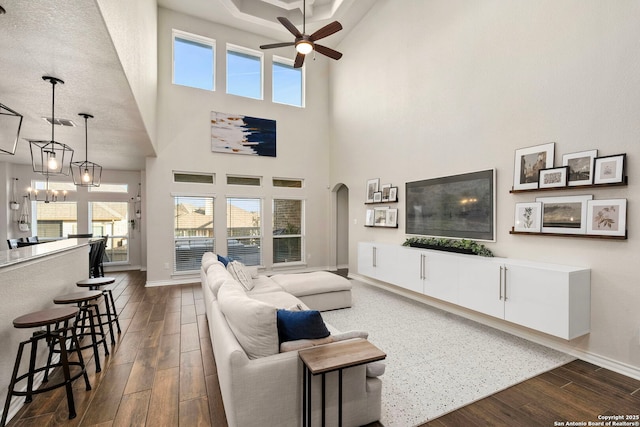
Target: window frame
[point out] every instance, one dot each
(288, 62)
(261, 235)
(249, 52)
(111, 237)
(195, 38)
(301, 235)
(181, 239)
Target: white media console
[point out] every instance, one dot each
(550, 298)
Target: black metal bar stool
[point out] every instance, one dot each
(95, 283)
(59, 334)
(87, 302)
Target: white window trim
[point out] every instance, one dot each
(195, 38)
(302, 234)
(290, 62)
(246, 51)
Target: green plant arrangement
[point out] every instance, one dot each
(462, 246)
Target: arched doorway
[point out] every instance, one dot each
(342, 226)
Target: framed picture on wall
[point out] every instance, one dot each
(553, 177)
(564, 215)
(385, 192)
(528, 216)
(393, 194)
(607, 217)
(377, 197)
(369, 220)
(528, 163)
(580, 167)
(380, 217)
(372, 187)
(609, 169)
(391, 219)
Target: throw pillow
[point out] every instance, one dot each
(241, 274)
(298, 325)
(223, 259)
(252, 322)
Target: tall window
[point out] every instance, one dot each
(287, 83)
(193, 231)
(244, 230)
(244, 72)
(54, 220)
(287, 230)
(112, 219)
(193, 60)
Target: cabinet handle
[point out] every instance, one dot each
(500, 283)
(505, 283)
(421, 266)
(375, 255)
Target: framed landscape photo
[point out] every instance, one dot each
(391, 219)
(609, 169)
(385, 192)
(380, 217)
(393, 194)
(580, 167)
(553, 177)
(528, 162)
(607, 217)
(564, 215)
(372, 187)
(528, 217)
(377, 197)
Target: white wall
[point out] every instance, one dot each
(434, 88)
(184, 144)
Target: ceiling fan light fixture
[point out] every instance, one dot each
(304, 47)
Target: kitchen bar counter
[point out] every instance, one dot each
(30, 278)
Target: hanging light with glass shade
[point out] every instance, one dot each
(86, 174)
(51, 157)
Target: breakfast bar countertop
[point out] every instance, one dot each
(10, 257)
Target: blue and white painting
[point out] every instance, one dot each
(235, 134)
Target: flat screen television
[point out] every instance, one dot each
(457, 206)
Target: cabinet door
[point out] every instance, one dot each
(480, 286)
(441, 276)
(410, 270)
(377, 260)
(365, 259)
(537, 298)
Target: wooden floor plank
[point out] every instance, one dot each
(108, 395)
(192, 384)
(195, 412)
(169, 351)
(133, 410)
(143, 370)
(165, 397)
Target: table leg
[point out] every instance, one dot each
(304, 395)
(324, 406)
(309, 396)
(340, 398)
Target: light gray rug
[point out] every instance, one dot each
(437, 361)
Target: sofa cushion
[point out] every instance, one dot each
(264, 284)
(216, 276)
(302, 344)
(208, 259)
(280, 299)
(298, 325)
(253, 322)
(241, 274)
(316, 282)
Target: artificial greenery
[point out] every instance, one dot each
(473, 246)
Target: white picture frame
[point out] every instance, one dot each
(372, 188)
(385, 192)
(369, 218)
(391, 219)
(528, 217)
(607, 217)
(564, 215)
(380, 217)
(580, 167)
(528, 162)
(609, 169)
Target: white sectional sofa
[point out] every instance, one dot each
(261, 379)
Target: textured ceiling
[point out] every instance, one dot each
(68, 39)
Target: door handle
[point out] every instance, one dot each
(375, 256)
(500, 283)
(505, 283)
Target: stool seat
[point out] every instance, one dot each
(94, 282)
(45, 317)
(76, 297)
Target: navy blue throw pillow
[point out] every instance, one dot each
(223, 259)
(298, 325)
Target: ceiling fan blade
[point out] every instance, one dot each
(327, 51)
(275, 45)
(299, 60)
(326, 31)
(289, 26)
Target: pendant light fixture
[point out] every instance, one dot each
(51, 157)
(86, 174)
(10, 123)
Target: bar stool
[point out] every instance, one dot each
(39, 319)
(95, 283)
(88, 310)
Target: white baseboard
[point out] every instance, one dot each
(519, 331)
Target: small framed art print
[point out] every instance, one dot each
(564, 215)
(393, 194)
(385, 192)
(609, 169)
(580, 167)
(372, 188)
(553, 177)
(607, 217)
(527, 218)
(528, 162)
(377, 197)
(391, 219)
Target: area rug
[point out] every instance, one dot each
(437, 361)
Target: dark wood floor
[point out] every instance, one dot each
(161, 372)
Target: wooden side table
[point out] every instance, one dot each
(329, 358)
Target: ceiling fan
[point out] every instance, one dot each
(307, 43)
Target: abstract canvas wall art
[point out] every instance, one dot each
(236, 134)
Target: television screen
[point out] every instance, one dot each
(458, 206)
